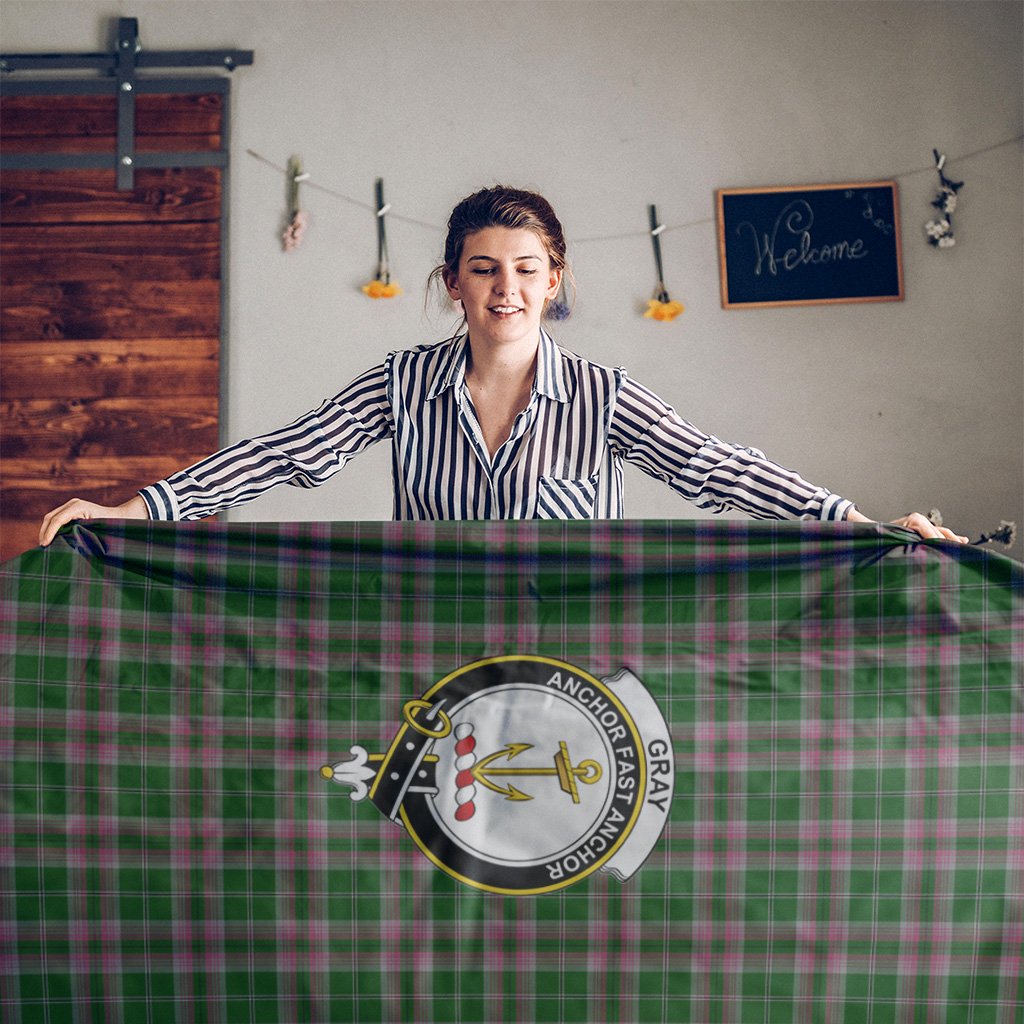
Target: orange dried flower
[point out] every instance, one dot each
(380, 290)
(665, 311)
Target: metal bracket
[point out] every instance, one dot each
(123, 65)
(128, 46)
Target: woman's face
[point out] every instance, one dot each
(504, 280)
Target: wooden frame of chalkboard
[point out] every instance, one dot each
(810, 245)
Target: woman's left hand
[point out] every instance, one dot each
(918, 523)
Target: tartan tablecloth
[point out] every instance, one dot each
(842, 837)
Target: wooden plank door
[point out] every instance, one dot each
(110, 307)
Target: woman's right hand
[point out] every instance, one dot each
(78, 508)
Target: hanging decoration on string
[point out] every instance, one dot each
(940, 231)
(661, 307)
(298, 219)
(700, 222)
(381, 287)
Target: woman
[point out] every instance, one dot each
(497, 422)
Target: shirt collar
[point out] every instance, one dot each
(451, 370)
(550, 379)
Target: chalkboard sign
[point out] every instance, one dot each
(810, 245)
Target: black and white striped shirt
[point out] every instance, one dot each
(562, 459)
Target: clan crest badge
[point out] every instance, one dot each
(523, 774)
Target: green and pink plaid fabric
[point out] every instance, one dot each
(845, 840)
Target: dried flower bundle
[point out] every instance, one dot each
(298, 219)
(292, 237)
(558, 308)
(381, 287)
(940, 231)
(660, 307)
(1005, 533)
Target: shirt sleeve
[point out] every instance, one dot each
(713, 474)
(304, 453)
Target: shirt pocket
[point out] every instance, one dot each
(564, 498)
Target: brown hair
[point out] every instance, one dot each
(501, 207)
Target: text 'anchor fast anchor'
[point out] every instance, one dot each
(587, 771)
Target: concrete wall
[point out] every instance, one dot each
(606, 107)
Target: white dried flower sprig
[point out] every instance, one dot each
(940, 231)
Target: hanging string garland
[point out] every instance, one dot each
(940, 232)
(382, 287)
(660, 307)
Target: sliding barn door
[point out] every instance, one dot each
(111, 304)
